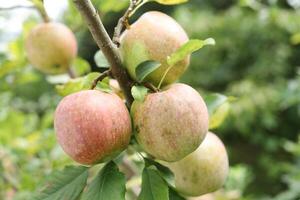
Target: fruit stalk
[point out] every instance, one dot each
(41, 9)
(110, 51)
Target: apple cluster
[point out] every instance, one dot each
(170, 125)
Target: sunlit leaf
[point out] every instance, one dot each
(170, 2)
(139, 92)
(112, 5)
(77, 84)
(188, 48)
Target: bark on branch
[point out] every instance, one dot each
(110, 51)
(123, 21)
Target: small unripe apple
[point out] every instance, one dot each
(203, 171)
(51, 47)
(172, 123)
(154, 36)
(92, 126)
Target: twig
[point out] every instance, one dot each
(38, 5)
(100, 78)
(17, 7)
(123, 21)
(151, 87)
(71, 73)
(110, 51)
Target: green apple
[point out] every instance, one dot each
(203, 171)
(154, 36)
(51, 47)
(172, 123)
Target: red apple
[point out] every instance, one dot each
(92, 126)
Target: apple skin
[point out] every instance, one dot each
(92, 126)
(154, 36)
(203, 171)
(51, 47)
(172, 123)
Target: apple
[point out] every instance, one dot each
(154, 36)
(51, 47)
(92, 126)
(203, 171)
(172, 123)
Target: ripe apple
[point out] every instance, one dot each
(51, 47)
(203, 171)
(154, 36)
(172, 123)
(92, 126)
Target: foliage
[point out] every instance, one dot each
(256, 60)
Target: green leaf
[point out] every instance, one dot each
(81, 66)
(106, 6)
(109, 184)
(77, 84)
(101, 60)
(295, 39)
(67, 184)
(218, 108)
(173, 195)
(165, 172)
(145, 68)
(139, 92)
(170, 2)
(188, 48)
(153, 185)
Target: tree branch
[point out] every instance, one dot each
(71, 72)
(100, 78)
(16, 7)
(123, 21)
(104, 42)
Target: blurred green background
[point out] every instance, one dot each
(256, 60)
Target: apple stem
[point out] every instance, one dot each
(109, 49)
(100, 78)
(41, 9)
(151, 87)
(124, 21)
